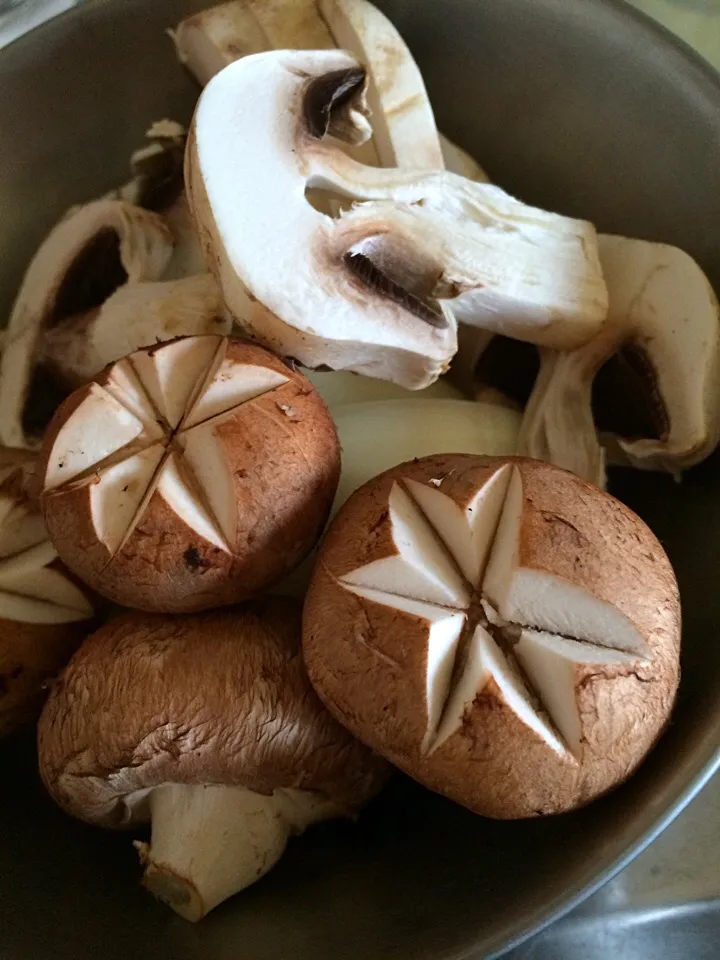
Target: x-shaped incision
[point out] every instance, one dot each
(149, 427)
(31, 589)
(492, 621)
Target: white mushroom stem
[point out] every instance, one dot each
(210, 842)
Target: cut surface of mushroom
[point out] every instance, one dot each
(206, 727)
(664, 319)
(84, 259)
(370, 291)
(569, 607)
(177, 431)
(43, 613)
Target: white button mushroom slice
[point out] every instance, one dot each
(483, 660)
(232, 385)
(304, 299)
(99, 427)
(457, 160)
(663, 308)
(21, 527)
(420, 567)
(119, 493)
(112, 241)
(403, 122)
(174, 373)
(467, 531)
(556, 667)
(211, 39)
(184, 496)
(143, 314)
(538, 598)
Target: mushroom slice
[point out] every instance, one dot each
(404, 128)
(227, 751)
(364, 292)
(459, 161)
(84, 259)
(178, 480)
(663, 313)
(566, 662)
(44, 614)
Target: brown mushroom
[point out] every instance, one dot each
(43, 614)
(189, 475)
(503, 631)
(208, 727)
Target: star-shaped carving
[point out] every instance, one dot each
(31, 589)
(488, 620)
(151, 427)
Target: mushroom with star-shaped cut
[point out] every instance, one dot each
(189, 475)
(503, 631)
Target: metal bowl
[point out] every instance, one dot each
(580, 105)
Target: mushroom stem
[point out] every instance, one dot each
(210, 842)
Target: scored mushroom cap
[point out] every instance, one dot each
(218, 698)
(501, 630)
(189, 475)
(85, 258)
(43, 613)
(365, 292)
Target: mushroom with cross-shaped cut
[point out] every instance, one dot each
(43, 613)
(503, 631)
(189, 475)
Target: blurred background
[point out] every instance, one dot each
(696, 21)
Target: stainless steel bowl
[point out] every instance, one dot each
(580, 105)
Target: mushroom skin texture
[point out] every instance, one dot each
(208, 727)
(501, 630)
(89, 254)
(371, 291)
(44, 615)
(189, 475)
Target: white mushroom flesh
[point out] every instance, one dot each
(662, 305)
(209, 842)
(151, 429)
(365, 292)
(525, 636)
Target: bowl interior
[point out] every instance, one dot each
(579, 106)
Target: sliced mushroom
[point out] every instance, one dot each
(189, 475)
(404, 131)
(207, 727)
(84, 259)
(664, 335)
(136, 315)
(43, 613)
(366, 292)
(501, 630)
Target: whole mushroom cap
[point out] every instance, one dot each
(220, 698)
(501, 630)
(189, 475)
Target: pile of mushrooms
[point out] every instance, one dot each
(185, 360)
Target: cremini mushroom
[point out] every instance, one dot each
(503, 631)
(651, 378)
(43, 614)
(207, 727)
(89, 254)
(188, 475)
(369, 291)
